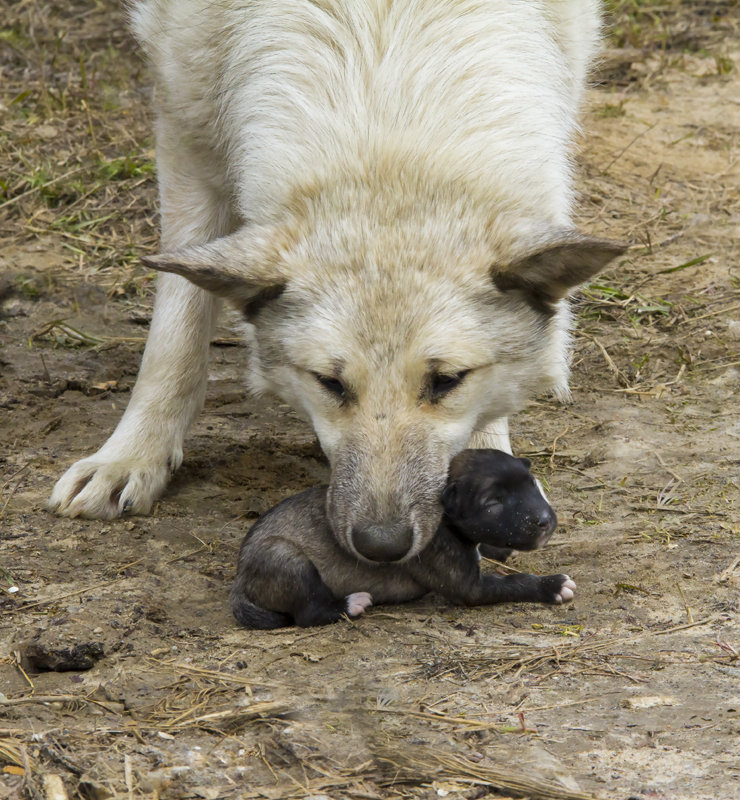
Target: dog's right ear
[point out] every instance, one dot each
(244, 267)
(450, 499)
(549, 272)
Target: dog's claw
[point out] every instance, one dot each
(103, 487)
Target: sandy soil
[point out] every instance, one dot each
(121, 670)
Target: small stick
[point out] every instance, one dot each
(686, 605)
(14, 489)
(475, 724)
(54, 698)
(525, 729)
(41, 186)
(47, 376)
(17, 662)
(724, 576)
(554, 443)
(127, 775)
(65, 596)
(660, 458)
(54, 787)
(625, 149)
(609, 361)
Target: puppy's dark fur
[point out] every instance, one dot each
(292, 570)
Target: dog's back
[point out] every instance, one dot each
(283, 88)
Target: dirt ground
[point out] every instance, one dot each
(122, 673)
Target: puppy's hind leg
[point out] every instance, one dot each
(250, 615)
(319, 606)
(132, 468)
(277, 584)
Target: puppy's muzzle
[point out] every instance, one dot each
(383, 543)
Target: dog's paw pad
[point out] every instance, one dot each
(567, 591)
(358, 602)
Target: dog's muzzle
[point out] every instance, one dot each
(383, 543)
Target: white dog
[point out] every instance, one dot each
(383, 188)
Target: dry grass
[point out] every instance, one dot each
(417, 765)
(76, 159)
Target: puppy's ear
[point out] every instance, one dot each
(527, 463)
(548, 273)
(451, 499)
(244, 267)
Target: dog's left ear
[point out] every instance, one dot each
(244, 267)
(548, 274)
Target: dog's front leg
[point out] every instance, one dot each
(495, 436)
(132, 468)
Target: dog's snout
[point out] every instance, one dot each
(383, 544)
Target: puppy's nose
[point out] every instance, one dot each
(377, 543)
(547, 522)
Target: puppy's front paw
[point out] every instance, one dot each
(558, 589)
(358, 602)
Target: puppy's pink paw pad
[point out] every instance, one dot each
(567, 591)
(358, 602)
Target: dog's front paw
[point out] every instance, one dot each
(558, 589)
(358, 602)
(105, 487)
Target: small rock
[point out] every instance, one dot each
(47, 132)
(649, 701)
(46, 657)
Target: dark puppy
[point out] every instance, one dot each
(291, 568)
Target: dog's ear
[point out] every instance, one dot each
(244, 267)
(526, 462)
(451, 499)
(548, 273)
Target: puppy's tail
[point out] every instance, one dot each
(253, 616)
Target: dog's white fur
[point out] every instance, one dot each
(394, 177)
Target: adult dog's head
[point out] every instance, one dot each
(399, 323)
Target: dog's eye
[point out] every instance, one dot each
(443, 384)
(332, 385)
(493, 505)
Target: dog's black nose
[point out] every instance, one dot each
(377, 543)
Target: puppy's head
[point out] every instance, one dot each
(493, 498)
